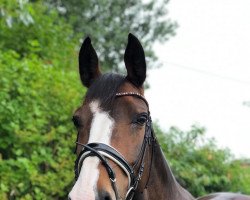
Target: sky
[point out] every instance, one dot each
(205, 73)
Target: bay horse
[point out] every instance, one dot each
(118, 155)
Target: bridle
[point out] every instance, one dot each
(103, 151)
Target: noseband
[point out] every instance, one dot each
(103, 151)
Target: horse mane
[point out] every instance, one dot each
(104, 89)
(174, 190)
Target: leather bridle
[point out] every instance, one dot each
(103, 151)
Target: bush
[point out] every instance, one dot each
(36, 144)
(33, 28)
(199, 165)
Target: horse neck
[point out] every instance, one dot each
(162, 184)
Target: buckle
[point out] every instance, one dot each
(113, 180)
(130, 193)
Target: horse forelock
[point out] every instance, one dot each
(104, 90)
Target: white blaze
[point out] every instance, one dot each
(100, 131)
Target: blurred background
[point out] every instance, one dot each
(198, 87)
(206, 73)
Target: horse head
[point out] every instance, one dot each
(114, 128)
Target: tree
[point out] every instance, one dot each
(199, 165)
(38, 93)
(108, 22)
(34, 29)
(37, 136)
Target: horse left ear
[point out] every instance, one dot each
(134, 59)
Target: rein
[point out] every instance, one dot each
(103, 151)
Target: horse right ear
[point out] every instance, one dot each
(88, 63)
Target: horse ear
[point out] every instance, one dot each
(88, 63)
(134, 59)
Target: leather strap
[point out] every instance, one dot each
(94, 152)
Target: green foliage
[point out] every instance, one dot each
(240, 175)
(37, 138)
(13, 11)
(109, 22)
(38, 93)
(45, 34)
(199, 165)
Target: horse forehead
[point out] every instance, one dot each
(101, 125)
(94, 106)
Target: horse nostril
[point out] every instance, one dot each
(69, 198)
(105, 196)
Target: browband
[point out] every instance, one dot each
(135, 94)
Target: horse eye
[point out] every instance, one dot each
(141, 119)
(76, 121)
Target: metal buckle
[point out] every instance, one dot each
(130, 193)
(113, 180)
